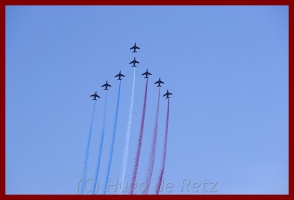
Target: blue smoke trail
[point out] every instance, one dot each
(87, 151)
(126, 150)
(100, 147)
(112, 140)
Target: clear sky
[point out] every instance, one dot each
(226, 66)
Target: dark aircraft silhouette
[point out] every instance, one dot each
(119, 75)
(106, 85)
(146, 74)
(167, 94)
(134, 47)
(94, 96)
(134, 62)
(159, 82)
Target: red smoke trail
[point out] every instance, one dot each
(139, 141)
(153, 148)
(164, 150)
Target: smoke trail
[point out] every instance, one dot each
(113, 139)
(153, 148)
(139, 141)
(164, 150)
(126, 150)
(87, 151)
(100, 146)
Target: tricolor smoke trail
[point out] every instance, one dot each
(164, 150)
(100, 146)
(153, 148)
(112, 140)
(126, 149)
(139, 141)
(87, 151)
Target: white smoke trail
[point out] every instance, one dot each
(126, 149)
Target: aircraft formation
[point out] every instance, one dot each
(148, 176)
(119, 75)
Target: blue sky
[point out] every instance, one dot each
(227, 67)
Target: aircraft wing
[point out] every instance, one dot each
(116, 75)
(103, 85)
(122, 75)
(132, 47)
(136, 61)
(165, 94)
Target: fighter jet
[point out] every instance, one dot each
(167, 94)
(134, 62)
(106, 85)
(94, 96)
(159, 82)
(134, 47)
(119, 75)
(146, 74)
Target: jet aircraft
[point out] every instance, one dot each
(146, 74)
(159, 82)
(106, 85)
(134, 48)
(119, 75)
(134, 62)
(167, 94)
(94, 96)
